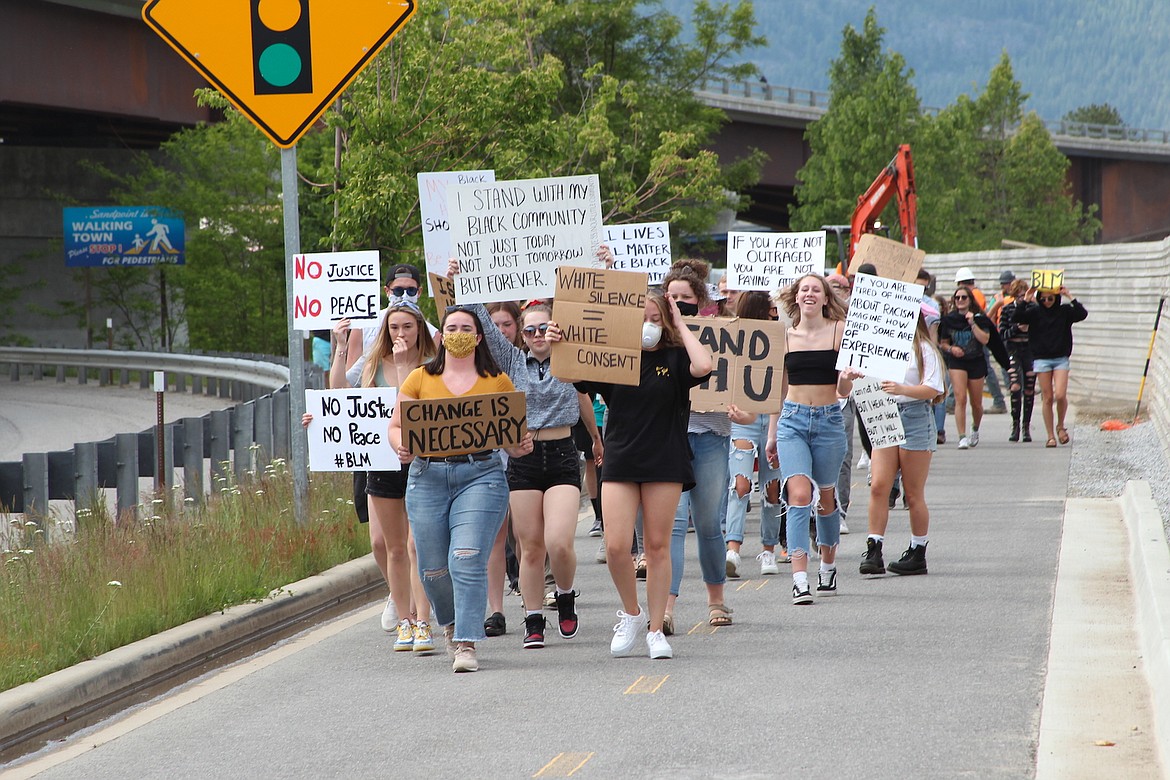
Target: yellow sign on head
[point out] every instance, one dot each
(1048, 281)
(280, 62)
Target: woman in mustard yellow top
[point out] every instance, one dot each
(456, 503)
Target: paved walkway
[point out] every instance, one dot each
(938, 676)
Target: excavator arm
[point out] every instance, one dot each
(896, 179)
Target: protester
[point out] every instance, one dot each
(807, 439)
(1050, 338)
(1021, 373)
(456, 503)
(962, 334)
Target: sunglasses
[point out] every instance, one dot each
(531, 330)
(398, 292)
(961, 297)
(1048, 297)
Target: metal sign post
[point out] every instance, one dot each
(296, 354)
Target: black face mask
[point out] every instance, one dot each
(687, 309)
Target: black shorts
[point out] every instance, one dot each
(550, 463)
(386, 484)
(976, 368)
(582, 439)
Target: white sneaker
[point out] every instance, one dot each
(844, 526)
(964, 443)
(600, 557)
(389, 616)
(657, 645)
(863, 461)
(733, 564)
(767, 561)
(973, 439)
(625, 633)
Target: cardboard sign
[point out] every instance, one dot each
(600, 313)
(879, 329)
(892, 259)
(640, 247)
(771, 261)
(331, 286)
(509, 237)
(879, 413)
(749, 361)
(349, 429)
(464, 424)
(432, 208)
(1048, 281)
(443, 291)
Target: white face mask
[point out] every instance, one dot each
(651, 335)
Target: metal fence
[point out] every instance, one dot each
(244, 437)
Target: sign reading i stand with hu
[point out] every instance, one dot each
(280, 62)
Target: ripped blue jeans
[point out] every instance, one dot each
(810, 442)
(455, 511)
(740, 464)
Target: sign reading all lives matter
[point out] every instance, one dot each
(749, 356)
(331, 286)
(879, 330)
(464, 424)
(771, 261)
(349, 429)
(879, 413)
(600, 314)
(432, 207)
(509, 237)
(640, 247)
(892, 259)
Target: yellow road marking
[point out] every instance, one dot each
(743, 585)
(762, 584)
(647, 683)
(564, 765)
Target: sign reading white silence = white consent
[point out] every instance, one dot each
(349, 429)
(331, 286)
(879, 413)
(509, 237)
(771, 261)
(432, 207)
(879, 330)
(644, 246)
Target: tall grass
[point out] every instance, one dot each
(110, 583)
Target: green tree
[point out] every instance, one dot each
(1096, 114)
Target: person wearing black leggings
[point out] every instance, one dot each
(1021, 376)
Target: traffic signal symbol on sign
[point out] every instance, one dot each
(282, 51)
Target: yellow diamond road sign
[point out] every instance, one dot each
(281, 62)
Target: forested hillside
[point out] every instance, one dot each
(1066, 53)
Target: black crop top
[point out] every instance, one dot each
(812, 367)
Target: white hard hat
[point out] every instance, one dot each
(964, 274)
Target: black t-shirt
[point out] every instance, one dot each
(646, 434)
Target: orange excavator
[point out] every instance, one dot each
(896, 179)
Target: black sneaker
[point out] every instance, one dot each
(533, 632)
(596, 529)
(495, 625)
(827, 583)
(913, 561)
(871, 562)
(567, 614)
(801, 595)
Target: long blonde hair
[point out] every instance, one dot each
(922, 340)
(383, 345)
(834, 308)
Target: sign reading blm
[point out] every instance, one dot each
(117, 236)
(348, 431)
(510, 236)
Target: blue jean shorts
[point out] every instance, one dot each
(918, 425)
(1044, 365)
(810, 441)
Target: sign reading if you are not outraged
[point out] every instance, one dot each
(749, 357)
(772, 261)
(464, 424)
(331, 286)
(349, 429)
(600, 314)
(879, 330)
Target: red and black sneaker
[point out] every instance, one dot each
(567, 614)
(533, 632)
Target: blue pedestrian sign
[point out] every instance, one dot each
(121, 236)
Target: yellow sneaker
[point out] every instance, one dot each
(423, 641)
(405, 640)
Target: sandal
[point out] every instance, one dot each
(1062, 435)
(668, 624)
(719, 615)
(1050, 443)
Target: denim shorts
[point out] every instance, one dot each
(386, 484)
(810, 441)
(918, 424)
(551, 463)
(1044, 365)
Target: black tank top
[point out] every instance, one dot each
(812, 367)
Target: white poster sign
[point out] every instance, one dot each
(330, 286)
(879, 413)
(640, 247)
(509, 237)
(771, 261)
(349, 429)
(879, 330)
(432, 207)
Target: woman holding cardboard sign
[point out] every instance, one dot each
(647, 465)
(1050, 337)
(962, 334)
(456, 503)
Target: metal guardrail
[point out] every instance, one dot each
(256, 429)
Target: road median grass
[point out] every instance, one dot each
(107, 584)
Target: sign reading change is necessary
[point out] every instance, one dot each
(879, 413)
(331, 286)
(748, 357)
(349, 429)
(600, 314)
(510, 236)
(640, 247)
(770, 261)
(464, 424)
(879, 329)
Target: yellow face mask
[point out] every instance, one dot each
(460, 345)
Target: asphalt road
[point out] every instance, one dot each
(935, 676)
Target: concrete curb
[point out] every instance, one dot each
(68, 695)
(1149, 560)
